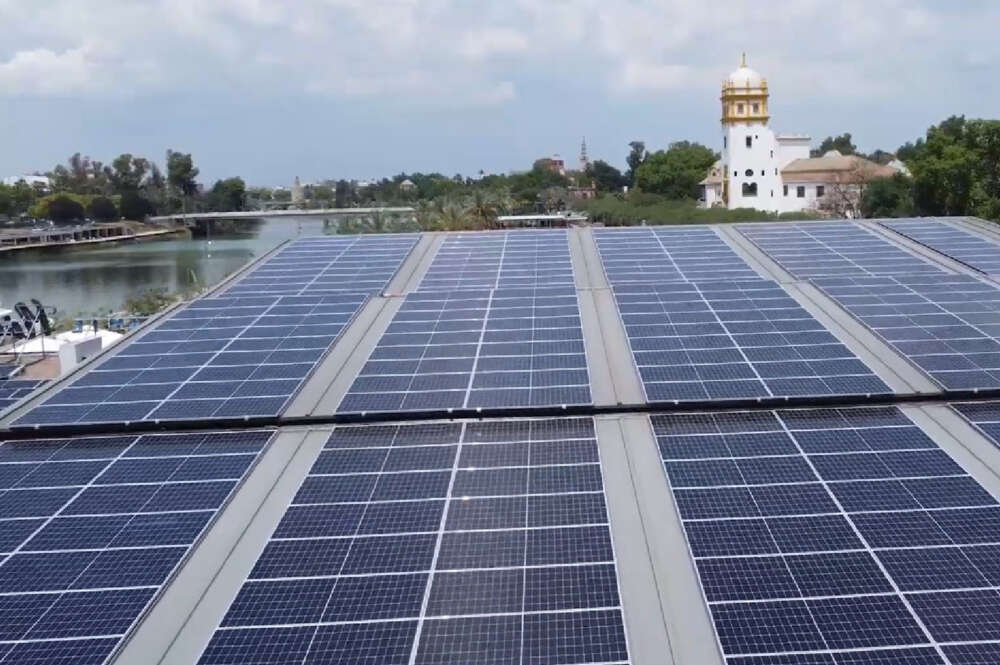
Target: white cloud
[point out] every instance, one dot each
(458, 52)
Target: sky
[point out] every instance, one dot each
(273, 89)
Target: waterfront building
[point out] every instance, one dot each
(769, 171)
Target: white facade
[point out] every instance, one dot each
(750, 157)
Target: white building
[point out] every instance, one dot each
(40, 180)
(774, 172)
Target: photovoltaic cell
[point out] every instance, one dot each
(13, 391)
(736, 339)
(477, 348)
(834, 249)
(92, 528)
(500, 260)
(834, 536)
(973, 250)
(668, 254)
(948, 325)
(222, 357)
(240, 354)
(322, 265)
(438, 543)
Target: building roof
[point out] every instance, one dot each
(714, 176)
(640, 446)
(834, 167)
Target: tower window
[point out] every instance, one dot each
(739, 108)
(772, 154)
(762, 173)
(735, 173)
(775, 171)
(749, 173)
(772, 193)
(749, 189)
(756, 108)
(749, 142)
(820, 191)
(785, 190)
(800, 191)
(724, 141)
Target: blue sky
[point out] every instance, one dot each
(362, 88)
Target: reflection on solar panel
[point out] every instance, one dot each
(734, 339)
(501, 260)
(438, 544)
(91, 529)
(328, 264)
(13, 391)
(839, 536)
(974, 251)
(477, 348)
(668, 254)
(224, 357)
(833, 249)
(949, 325)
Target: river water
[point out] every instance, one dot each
(82, 282)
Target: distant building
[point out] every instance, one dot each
(767, 171)
(555, 164)
(33, 180)
(407, 186)
(298, 192)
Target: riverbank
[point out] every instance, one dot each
(84, 237)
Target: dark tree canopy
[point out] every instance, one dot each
(227, 195)
(62, 208)
(606, 177)
(636, 156)
(676, 172)
(102, 209)
(888, 197)
(842, 144)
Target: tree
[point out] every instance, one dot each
(343, 194)
(102, 209)
(841, 143)
(676, 172)
(888, 197)
(606, 177)
(136, 207)
(128, 173)
(60, 208)
(181, 174)
(227, 195)
(636, 156)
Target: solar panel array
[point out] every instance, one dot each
(92, 528)
(834, 537)
(240, 354)
(500, 260)
(732, 340)
(974, 251)
(948, 325)
(318, 265)
(833, 249)
(13, 391)
(668, 254)
(222, 357)
(477, 348)
(438, 543)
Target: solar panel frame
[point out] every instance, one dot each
(975, 251)
(947, 325)
(833, 249)
(451, 537)
(830, 574)
(105, 524)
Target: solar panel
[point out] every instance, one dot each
(500, 260)
(984, 415)
(948, 325)
(964, 246)
(834, 536)
(668, 254)
(734, 340)
(222, 357)
(477, 348)
(318, 265)
(92, 528)
(13, 391)
(829, 249)
(439, 543)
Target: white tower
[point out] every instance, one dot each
(750, 176)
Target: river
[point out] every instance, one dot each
(83, 282)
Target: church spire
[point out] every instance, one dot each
(743, 60)
(584, 160)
